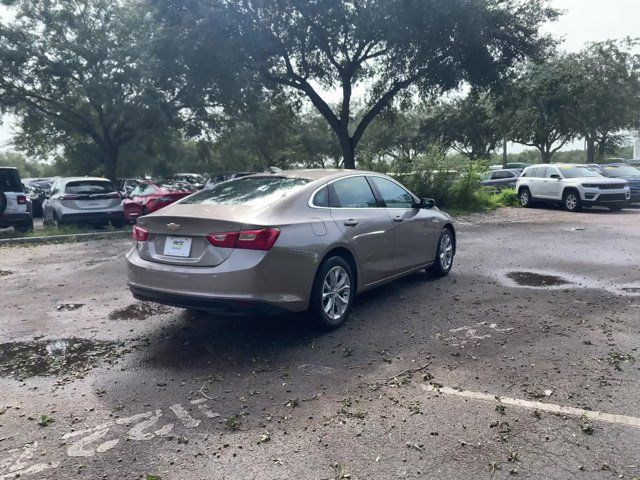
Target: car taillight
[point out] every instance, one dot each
(262, 239)
(21, 199)
(140, 234)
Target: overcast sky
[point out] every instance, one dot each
(584, 21)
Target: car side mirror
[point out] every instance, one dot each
(555, 175)
(426, 203)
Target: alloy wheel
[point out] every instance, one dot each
(336, 293)
(571, 201)
(445, 252)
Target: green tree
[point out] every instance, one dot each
(539, 107)
(605, 94)
(469, 125)
(80, 74)
(395, 47)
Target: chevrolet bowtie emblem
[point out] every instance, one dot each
(173, 226)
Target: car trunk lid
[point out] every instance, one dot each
(178, 235)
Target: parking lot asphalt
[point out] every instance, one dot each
(523, 362)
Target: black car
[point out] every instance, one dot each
(36, 195)
(622, 170)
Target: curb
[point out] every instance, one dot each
(74, 237)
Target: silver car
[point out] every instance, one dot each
(82, 200)
(293, 241)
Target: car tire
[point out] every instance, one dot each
(526, 200)
(118, 224)
(445, 254)
(571, 201)
(3, 202)
(24, 227)
(328, 303)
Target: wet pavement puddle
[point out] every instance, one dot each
(532, 279)
(22, 360)
(139, 311)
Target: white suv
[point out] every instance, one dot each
(15, 207)
(574, 186)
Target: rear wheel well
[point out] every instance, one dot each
(347, 256)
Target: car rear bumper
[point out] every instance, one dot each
(92, 217)
(247, 280)
(9, 219)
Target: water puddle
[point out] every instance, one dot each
(68, 307)
(22, 360)
(631, 289)
(139, 311)
(531, 279)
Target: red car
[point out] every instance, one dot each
(148, 197)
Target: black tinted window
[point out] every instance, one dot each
(247, 190)
(353, 192)
(10, 181)
(393, 195)
(89, 186)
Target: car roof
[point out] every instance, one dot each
(77, 179)
(317, 173)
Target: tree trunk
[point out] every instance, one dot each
(504, 152)
(110, 163)
(591, 150)
(348, 150)
(545, 156)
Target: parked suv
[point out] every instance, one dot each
(15, 207)
(574, 186)
(504, 178)
(78, 200)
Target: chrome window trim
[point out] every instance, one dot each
(313, 194)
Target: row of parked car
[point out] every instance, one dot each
(92, 200)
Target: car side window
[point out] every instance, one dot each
(552, 171)
(321, 198)
(352, 192)
(541, 172)
(393, 195)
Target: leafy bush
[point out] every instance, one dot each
(453, 183)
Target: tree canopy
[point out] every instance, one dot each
(79, 75)
(390, 48)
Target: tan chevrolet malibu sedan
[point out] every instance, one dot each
(291, 241)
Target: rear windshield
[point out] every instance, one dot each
(249, 190)
(621, 171)
(10, 181)
(81, 187)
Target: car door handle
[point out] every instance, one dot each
(398, 218)
(351, 223)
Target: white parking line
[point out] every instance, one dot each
(545, 407)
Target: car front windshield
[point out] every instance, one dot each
(570, 171)
(621, 171)
(247, 191)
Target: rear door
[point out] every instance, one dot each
(537, 182)
(414, 234)
(367, 227)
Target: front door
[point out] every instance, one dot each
(367, 227)
(415, 235)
